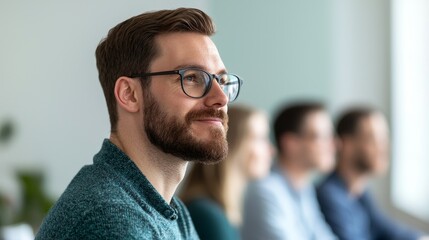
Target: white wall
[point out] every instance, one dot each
(361, 62)
(282, 49)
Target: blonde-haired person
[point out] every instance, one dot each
(213, 193)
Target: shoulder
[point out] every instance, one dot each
(92, 199)
(331, 189)
(268, 199)
(271, 191)
(205, 208)
(102, 220)
(90, 188)
(210, 220)
(270, 184)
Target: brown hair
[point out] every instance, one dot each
(130, 46)
(211, 180)
(291, 118)
(348, 122)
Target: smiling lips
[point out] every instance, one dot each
(211, 120)
(208, 117)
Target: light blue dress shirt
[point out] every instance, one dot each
(274, 210)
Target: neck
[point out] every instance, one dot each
(356, 182)
(234, 191)
(164, 171)
(297, 174)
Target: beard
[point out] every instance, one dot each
(173, 136)
(362, 163)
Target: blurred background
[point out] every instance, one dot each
(53, 115)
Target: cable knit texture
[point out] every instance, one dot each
(112, 199)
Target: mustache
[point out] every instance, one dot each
(207, 113)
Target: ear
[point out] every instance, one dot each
(127, 94)
(287, 142)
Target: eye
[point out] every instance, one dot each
(193, 79)
(224, 79)
(190, 79)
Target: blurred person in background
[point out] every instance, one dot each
(167, 90)
(363, 152)
(214, 193)
(283, 205)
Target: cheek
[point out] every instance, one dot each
(172, 101)
(370, 152)
(259, 160)
(323, 154)
(328, 148)
(383, 151)
(381, 158)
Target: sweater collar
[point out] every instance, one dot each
(119, 162)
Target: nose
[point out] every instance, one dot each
(216, 97)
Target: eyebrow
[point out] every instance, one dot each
(223, 71)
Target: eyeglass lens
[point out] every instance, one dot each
(195, 83)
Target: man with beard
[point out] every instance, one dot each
(363, 146)
(167, 90)
(284, 205)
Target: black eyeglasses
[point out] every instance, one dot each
(196, 83)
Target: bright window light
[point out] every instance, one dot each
(410, 109)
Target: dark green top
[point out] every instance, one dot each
(112, 199)
(210, 220)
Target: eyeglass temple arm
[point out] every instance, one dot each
(155, 73)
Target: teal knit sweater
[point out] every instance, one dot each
(210, 220)
(112, 199)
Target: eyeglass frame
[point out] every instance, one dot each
(182, 70)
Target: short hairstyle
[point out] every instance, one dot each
(348, 122)
(130, 46)
(291, 118)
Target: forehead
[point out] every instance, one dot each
(177, 50)
(373, 124)
(258, 122)
(317, 120)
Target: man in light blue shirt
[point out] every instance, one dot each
(284, 205)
